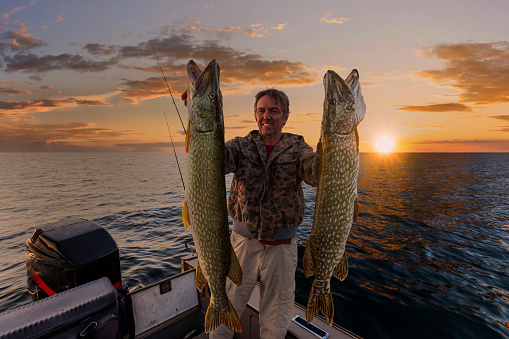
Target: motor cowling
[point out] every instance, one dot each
(71, 252)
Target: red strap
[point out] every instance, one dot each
(49, 291)
(277, 242)
(41, 283)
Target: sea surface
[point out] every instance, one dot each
(429, 255)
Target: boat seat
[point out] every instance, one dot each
(91, 307)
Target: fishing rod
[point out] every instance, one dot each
(167, 125)
(174, 152)
(167, 85)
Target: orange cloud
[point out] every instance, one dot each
(188, 25)
(19, 39)
(154, 87)
(504, 117)
(19, 108)
(12, 92)
(479, 70)
(329, 20)
(238, 69)
(22, 135)
(437, 108)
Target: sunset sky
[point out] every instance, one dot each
(82, 76)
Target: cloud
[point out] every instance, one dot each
(21, 135)
(500, 117)
(99, 49)
(32, 63)
(12, 92)
(479, 70)
(280, 27)
(189, 25)
(154, 87)
(5, 16)
(239, 70)
(17, 108)
(327, 18)
(19, 39)
(35, 77)
(256, 31)
(503, 129)
(437, 108)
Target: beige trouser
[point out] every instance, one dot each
(274, 267)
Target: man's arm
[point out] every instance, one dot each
(231, 155)
(308, 164)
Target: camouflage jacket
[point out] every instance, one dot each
(266, 196)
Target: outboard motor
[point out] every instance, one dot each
(72, 252)
(65, 254)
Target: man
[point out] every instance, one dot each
(266, 204)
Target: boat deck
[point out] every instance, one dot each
(185, 318)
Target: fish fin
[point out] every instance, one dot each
(355, 86)
(228, 317)
(322, 303)
(341, 271)
(357, 140)
(187, 136)
(185, 215)
(307, 262)
(235, 273)
(200, 279)
(356, 209)
(193, 72)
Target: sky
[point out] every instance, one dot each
(82, 75)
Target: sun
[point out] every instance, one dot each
(384, 144)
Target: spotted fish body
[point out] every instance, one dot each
(336, 206)
(205, 203)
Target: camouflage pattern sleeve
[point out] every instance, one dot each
(308, 164)
(231, 155)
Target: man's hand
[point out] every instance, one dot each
(184, 97)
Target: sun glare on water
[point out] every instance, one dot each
(384, 144)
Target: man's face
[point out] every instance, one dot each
(270, 118)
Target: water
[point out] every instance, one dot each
(428, 255)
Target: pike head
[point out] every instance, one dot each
(344, 106)
(205, 106)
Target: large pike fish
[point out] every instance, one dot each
(336, 206)
(205, 204)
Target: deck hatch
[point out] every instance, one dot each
(310, 327)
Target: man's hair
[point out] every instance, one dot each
(278, 96)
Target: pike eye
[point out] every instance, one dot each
(212, 95)
(332, 101)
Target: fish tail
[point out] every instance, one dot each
(307, 262)
(322, 303)
(228, 317)
(341, 271)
